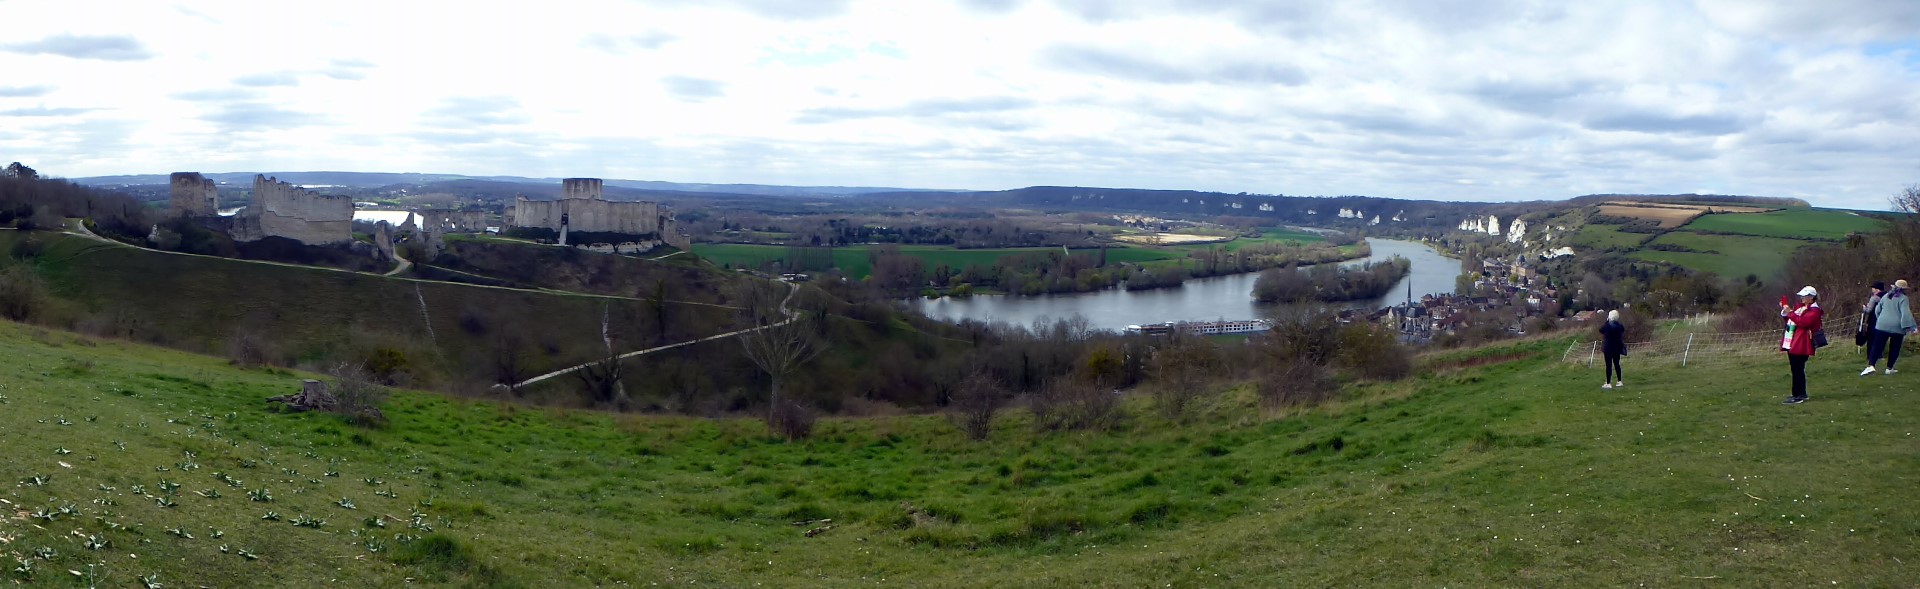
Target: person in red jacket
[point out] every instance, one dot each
(1802, 322)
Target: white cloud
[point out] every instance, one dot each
(1391, 97)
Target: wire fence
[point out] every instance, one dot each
(1692, 346)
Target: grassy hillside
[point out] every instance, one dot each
(1790, 223)
(1514, 472)
(198, 303)
(1598, 236)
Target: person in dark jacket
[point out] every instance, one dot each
(1802, 322)
(1893, 320)
(1864, 335)
(1613, 344)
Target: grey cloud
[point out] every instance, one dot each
(109, 48)
(41, 111)
(252, 116)
(916, 109)
(477, 111)
(24, 91)
(1647, 121)
(1396, 123)
(693, 89)
(1103, 62)
(1530, 96)
(1829, 21)
(268, 79)
(622, 43)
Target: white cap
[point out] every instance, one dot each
(1809, 292)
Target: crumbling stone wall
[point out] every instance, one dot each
(458, 221)
(194, 195)
(279, 209)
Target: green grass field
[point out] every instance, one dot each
(1270, 235)
(1822, 224)
(853, 260)
(1735, 256)
(126, 462)
(1598, 236)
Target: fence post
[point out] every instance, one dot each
(1590, 352)
(1688, 353)
(1570, 345)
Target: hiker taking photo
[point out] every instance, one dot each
(1892, 321)
(1803, 325)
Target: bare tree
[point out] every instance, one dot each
(1183, 370)
(780, 342)
(974, 403)
(778, 349)
(601, 379)
(510, 364)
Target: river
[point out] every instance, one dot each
(1220, 297)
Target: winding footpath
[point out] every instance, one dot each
(791, 317)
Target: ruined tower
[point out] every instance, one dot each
(194, 195)
(580, 189)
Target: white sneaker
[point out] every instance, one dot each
(1606, 386)
(1620, 385)
(1892, 371)
(1868, 371)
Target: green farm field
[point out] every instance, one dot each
(1821, 224)
(1599, 236)
(128, 463)
(1732, 256)
(1271, 235)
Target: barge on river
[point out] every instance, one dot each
(1202, 327)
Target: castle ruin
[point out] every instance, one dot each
(279, 209)
(194, 195)
(582, 208)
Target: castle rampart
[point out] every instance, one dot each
(583, 209)
(194, 195)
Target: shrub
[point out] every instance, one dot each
(1290, 384)
(387, 364)
(1183, 370)
(357, 396)
(1373, 352)
(248, 348)
(1067, 403)
(974, 403)
(22, 293)
(792, 421)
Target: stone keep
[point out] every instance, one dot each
(194, 195)
(279, 209)
(582, 207)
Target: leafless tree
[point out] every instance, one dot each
(1183, 370)
(780, 341)
(974, 403)
(777, 349)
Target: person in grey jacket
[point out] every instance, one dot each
(1893, 321)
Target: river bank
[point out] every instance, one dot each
(1221, 297)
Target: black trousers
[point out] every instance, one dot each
(1880, 343)
(1613, 368)
(1799, 365)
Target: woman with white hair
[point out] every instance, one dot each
(1802, 323)
(1613, 338)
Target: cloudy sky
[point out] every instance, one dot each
(1481, 100)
